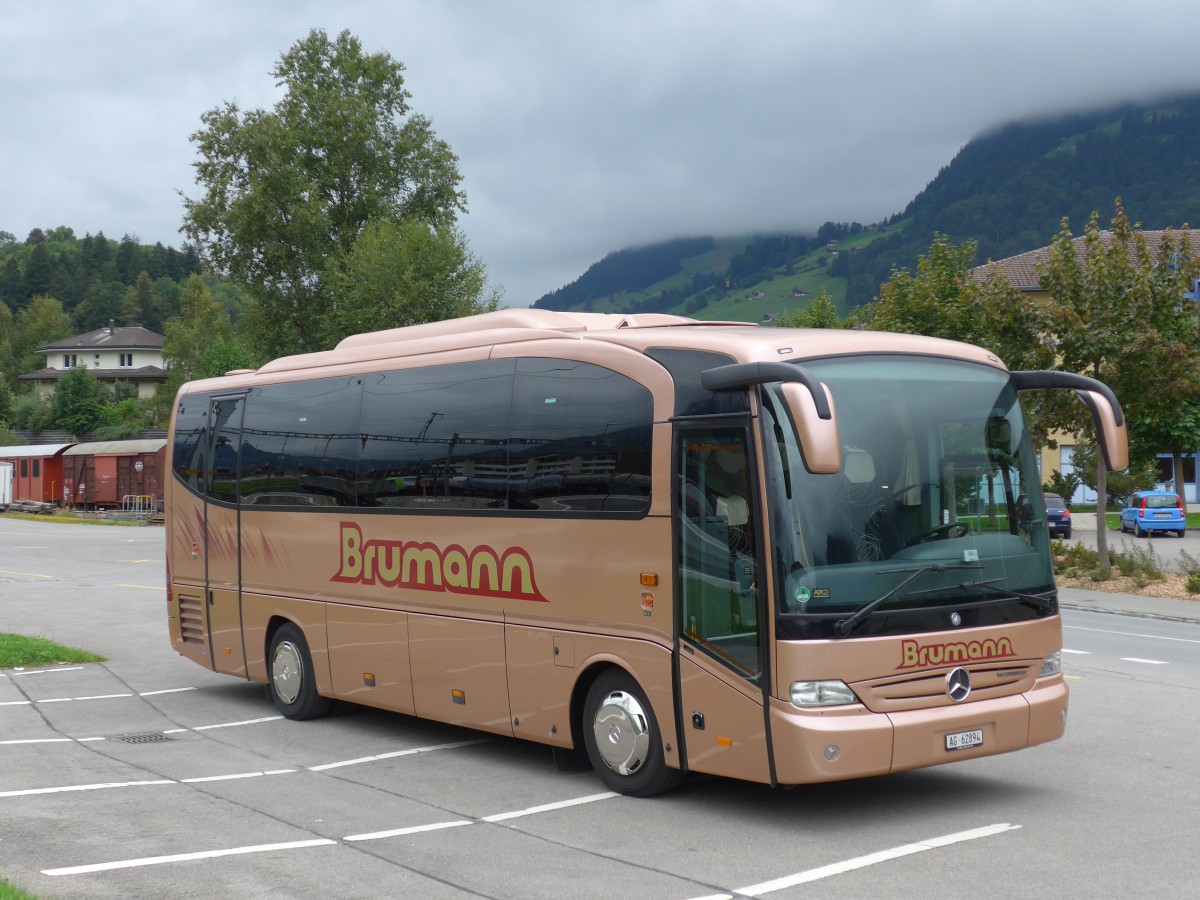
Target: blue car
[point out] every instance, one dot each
(1148, 511)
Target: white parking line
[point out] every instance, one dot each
(400, 832)
(547, 807)
(73, 788)
(1078, 652)
(96, 697)
(1149, 662)
(320, 842)
(238, 776)
(396, 753)
(228, 724)
(778, 884)
(184, 857)
(1153, 637)
(108, 785)
(57, 740)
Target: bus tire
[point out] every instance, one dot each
(290, 672)
(622, 738)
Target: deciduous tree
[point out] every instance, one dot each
(41, 322)
(287, 192)
(400, 274)
(820, 313)
(1119, 315)
(79, 401)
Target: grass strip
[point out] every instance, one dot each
(18, 651)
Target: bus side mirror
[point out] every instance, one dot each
(1099, 398)
(1114, 440)
(818, 437)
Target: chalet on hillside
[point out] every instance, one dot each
(133, 355)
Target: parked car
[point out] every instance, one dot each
(1058, 514)
(1148, 511)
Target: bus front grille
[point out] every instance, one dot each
(921, 690)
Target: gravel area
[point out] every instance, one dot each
(1171, 585)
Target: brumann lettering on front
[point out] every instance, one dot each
(913, 654)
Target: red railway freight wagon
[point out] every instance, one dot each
(113, 473)
(37, 472)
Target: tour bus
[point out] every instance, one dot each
(655, 544)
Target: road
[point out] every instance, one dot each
(147, 776)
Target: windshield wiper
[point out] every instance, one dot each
(1038, 603)
(844, 627)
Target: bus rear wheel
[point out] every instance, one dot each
(622, 738)
(290, 670)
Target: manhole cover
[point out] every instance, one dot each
(154, 737)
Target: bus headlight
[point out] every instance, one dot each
(821, 693)
(1052, 665)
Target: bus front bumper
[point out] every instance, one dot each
(851, 742)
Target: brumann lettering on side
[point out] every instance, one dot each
(422, 566)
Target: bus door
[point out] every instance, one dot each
(222, 536)
(721, 614)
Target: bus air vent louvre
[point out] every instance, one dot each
(191, 619)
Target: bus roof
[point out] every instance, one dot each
(743, 341)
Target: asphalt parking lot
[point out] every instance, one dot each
(147, 776)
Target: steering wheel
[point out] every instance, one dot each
(945, 531)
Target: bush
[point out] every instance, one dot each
(1188, 564)
(1139, 563)
(29, 412)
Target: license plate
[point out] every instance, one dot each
(964, 740)
(1162, 515)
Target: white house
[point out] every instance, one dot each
(132, 355)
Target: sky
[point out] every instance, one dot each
(581, 128)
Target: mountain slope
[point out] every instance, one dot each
(1007, 190)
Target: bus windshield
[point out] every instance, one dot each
(937, 505)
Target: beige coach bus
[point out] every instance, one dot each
(657, 544)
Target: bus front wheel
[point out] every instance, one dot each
(293, 687)
(622, 738)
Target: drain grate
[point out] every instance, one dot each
(153, 737)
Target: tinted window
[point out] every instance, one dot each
(1053, 502)
(188, 452)
(37, 468)
(580, 439)
(691, 399)
(300, 443)
(436, 438)
(225, 417)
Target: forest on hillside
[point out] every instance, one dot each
(54, 285)
(95, 278)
